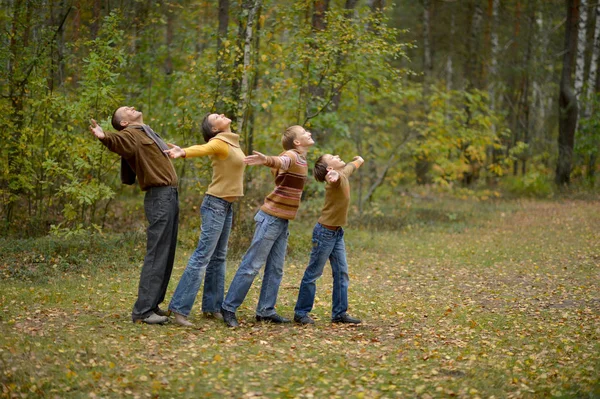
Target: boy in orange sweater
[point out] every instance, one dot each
(328, 241)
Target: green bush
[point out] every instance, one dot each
(533, 184)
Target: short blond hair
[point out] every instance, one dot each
(290, 134)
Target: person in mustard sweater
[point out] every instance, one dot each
(328, 241)
(223, 146)
(269, 244)
(142, 156)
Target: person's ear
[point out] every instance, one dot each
(214, 129)
(329, 168)
(124, 123)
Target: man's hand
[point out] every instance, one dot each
(332, 176)
(358, 158)
(96, 129)
(175, 152)
(256, 159)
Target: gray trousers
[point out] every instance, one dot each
(161, 205)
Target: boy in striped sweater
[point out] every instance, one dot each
(269, 244)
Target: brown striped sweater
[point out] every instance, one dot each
(284, 200)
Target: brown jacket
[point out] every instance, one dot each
(152, 167)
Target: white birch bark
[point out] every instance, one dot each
(247, 57)
(593, 64)
(581, 45)
(449, 66)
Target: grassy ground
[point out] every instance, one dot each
(487, 299)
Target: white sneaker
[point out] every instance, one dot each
(153, 319)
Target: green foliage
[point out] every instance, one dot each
(535, 183)
(456, 135)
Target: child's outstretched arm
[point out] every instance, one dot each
(281, 162)
(350, 167)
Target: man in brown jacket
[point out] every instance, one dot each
(142, 155)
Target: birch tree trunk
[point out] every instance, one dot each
(591, 82)
(591, 87)
(449, 65)
(581, 45)
(567, 100)
(242, 102)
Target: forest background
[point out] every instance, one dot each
(474, 232)
(475, 98)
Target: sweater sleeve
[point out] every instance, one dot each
(123, 143)
(350, 168)
(281, 162)
(213, 147)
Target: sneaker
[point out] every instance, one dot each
(153, 319)
(161, 312)
(345, 318)
(182, 320)
(229, 318)
(303, 319)
(274, 318)
(213, 315)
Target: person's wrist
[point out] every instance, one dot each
(184, 154)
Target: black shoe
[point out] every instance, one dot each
(229, 318)
(161, 312)
(274, 318)
(345, 318)
(303, 319)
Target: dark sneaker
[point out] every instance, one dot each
(161, 312)
(153, 319)
(229, 318)
(345, 318)
(303, 319)
(274, 318)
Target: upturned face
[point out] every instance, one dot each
(219, 122)
(130, 116)
(304, 139)
(334, 161)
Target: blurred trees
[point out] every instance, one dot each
(429, 92)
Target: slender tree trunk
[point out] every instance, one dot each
(567, 100)
(581, 46)
(348, 11)
(591, 82)
(422, 164)
(316, 92)
(493, 69)
(449, 63)
(96, 8)
(168, 65)
(473, 66)
(243, 98)
(591, 90)
(525, 108)
(221, 36)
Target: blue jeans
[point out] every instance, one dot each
(327, 244)
(268, 247)
(209, 257)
